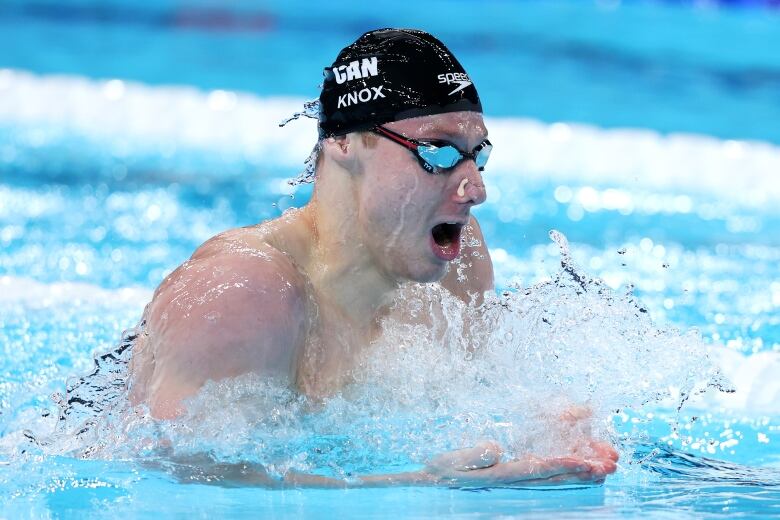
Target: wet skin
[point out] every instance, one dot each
(301, 296)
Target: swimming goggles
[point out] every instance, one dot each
(438, 156)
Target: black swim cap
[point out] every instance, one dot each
(392, 74)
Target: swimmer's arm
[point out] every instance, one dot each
(218, 316)
(476, 273)
(478, 466)
(481, 466)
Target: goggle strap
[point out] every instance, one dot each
(397, 138)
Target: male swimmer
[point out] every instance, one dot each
(402, 148)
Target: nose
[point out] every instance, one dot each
(469, 188)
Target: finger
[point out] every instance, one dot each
(567, 464)
(584, 477)
(602, 467)
(604, 450)
(534, 467)
(529, 470)
(592, 449)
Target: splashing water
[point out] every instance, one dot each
(308, 174)
(504, 370)
(311, 109)
(92, 407)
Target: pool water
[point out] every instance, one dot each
(644, 132)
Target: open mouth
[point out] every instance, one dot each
(445, 234)
(446, 240)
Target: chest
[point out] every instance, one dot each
(331, 352)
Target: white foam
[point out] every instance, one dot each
(31, 293)
(638, 158)
(131, 120)
(754, 377)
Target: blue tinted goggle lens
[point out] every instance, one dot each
(448, 156)
(483, 155)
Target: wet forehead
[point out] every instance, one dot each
(463, 127)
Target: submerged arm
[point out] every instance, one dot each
(478, 466)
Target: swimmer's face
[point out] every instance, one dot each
(411, 220)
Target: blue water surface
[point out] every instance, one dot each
(668, 67)
(656, 65)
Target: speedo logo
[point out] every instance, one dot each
(356, 70)
(461, 78)
(360, 96)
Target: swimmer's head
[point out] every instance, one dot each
(389, 75)
(402, 143)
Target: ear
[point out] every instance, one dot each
(342, 150)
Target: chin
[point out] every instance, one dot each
(408, 266)
(432, 273)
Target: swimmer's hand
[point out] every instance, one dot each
(590, 462)
(481, 466)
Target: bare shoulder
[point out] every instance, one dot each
(237, 306)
